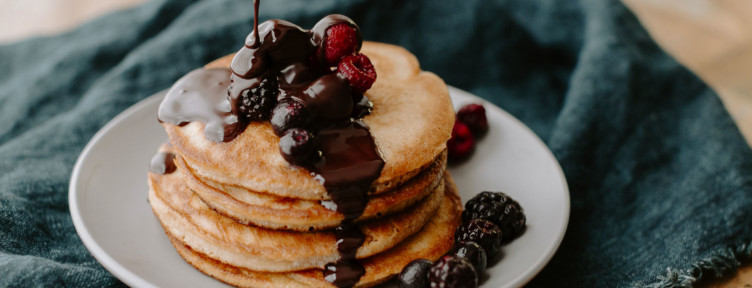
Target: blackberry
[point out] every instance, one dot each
(480, 231)
(289, 113)
(452, 272)
(473, 252)
(498, 208)
(257, 102)
(297, 146)
(415, 274)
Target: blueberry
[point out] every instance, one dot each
(473, 252)
(297, 146)
(415, 274)
(289, 113)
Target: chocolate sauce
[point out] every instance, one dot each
(202, 96)
(162, 163)
(346, 272)
(349, 160)
(256, 42)
(283, 44)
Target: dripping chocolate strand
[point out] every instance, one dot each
(256, 40)
(349, 164)
(163, 163)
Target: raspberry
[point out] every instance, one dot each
(452, 272)
(289, 113)
(474, 253)
(415, 274)
(474, 116)
(498, 208)
(462, 143)
(340, 40)
(358, 71)
(256, 103)
(297, 146)
(480, 231)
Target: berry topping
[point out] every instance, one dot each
(474, 254)
(297, 146)
(341, 40)
(256, 103)
(358, 71)
(452, 272)
(498, 208)
(462, 143)
(415, 274)
(480, 231)
(474, 116)
(289, 113)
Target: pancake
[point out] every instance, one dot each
(274, 212)
(187, 218)
(431, 242)
(410, 124)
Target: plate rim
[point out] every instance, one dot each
(134, 280)
(542, 262)
(104, 258)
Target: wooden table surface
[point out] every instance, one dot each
(713, 38)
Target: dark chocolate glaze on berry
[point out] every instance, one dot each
(319, 30)
(162, 163)
(202, 96)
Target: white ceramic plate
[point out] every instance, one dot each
(108, 198)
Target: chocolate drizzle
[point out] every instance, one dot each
(255, 24)
(163, 163)
(202, 96)
(348, 160)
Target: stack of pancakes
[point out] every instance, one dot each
(240, 213)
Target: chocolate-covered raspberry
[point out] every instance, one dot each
(341, 39)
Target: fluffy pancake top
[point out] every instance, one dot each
(411, 122)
